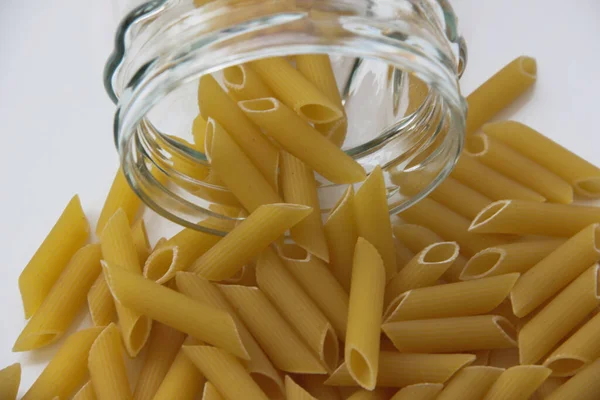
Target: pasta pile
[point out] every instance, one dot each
(486, 290)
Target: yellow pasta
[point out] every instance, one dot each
(490, 182)
(403, 369)
(243, 83)
(86, 392)
(403, 254)
(182, 378)
(293, 391)
(10, 379)
(549, 276)
(471, 383)
(507, 258)
(174, 309)
(285, 349)
(512, 164)
(377, 394)
(562, 314)
(245, 277)
(216, 104)
(534, 219)
(580, 173)
(297, 137)
(259, 366)
(460, 198)
(548, 387)
(199, 133)
(236, 169)
(163, 345)
(107, 367)
(420, 391)
(373, 219)
(341, 233)
(423, 270)
(297, 308)
(140, 240)
(315, 385)
(248, 239)
(583, 386)
(518, 383)
(297, 92)
(499, 91)
(66, 237)
(225, 372)
(298, 186)
(120, 196)
(210, 392)
(101, 304)
(63, 302)
(451, 300)
(68, 368)
(444, 335)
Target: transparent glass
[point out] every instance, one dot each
(396, 62)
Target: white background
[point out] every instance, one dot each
(55, 118)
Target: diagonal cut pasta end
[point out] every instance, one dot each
(483, 264)
(483, 222)
(162, 265)
(588, 187)
(563, 365)
(361, 369)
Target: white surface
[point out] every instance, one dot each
(57, 119)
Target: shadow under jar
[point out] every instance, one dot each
(396, 64)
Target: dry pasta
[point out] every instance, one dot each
(518, 383)
(243, 83)
(315, 385)
(420, 391)
(182, 378)
(100, 303)
(583, 386)
(10, 379)
(86, 392)
(120, 196)
(140, 240)
(470, 383)
(460, 198)
(548, 387)
(362, 394)
(107, 367)
(293, 391)
(210, 392)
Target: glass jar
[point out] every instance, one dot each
(397, 64)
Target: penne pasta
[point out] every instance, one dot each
(210, 392)
(243, 83)
(225, 372)
(500, 157)
(460, 198)
(86, 392)
(578, 172)
(404, 369)
(420, 391)
(120, 196)
(499, 91)
(504, 358)
(245, 277)
(10, 379)
(297, 92)
(549, 276)
(101, 304)
(548, 387)
(341, 233)
(365, 310)
(298, 186)
(248, 239)
(518, 383)
(507, 258)
(585, 385)
(283, 346)
(63, 302)
(140, 240)
(182, 378)
(174, 309)
(107, 367)
(362, 394)
(403, 254)
(534, 219)
(451, 300)
(490, 182)
(259, 366)
(298, 138)
(470, 383)
(68, 368)
(199, 133)
(373, 219)
(315, 385)
(216, 104)
(293, 391)
(445, 335)
(562, 314)
(68, 235)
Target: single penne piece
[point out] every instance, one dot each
(445, 335)
(504, 358)
(163, 345)
(216, 104)
(373, 219)
(120, 196)
(499, 91)
(297, 92)
(470, 383)
(199, 133)
(460, 198)
(140, 240)
(293, 391)
(364, 314)
(298, 186)
(404, 369)
(549, 276)
(107, 367)
(259, 366)
(518, 383)
(490, 182)
(299, 138)
(68, 235)
(297, 308)
(419, 391)
(101, 304)
(236, 169)
(243, 83)
(225, 372)
(561, 315)
(171, 308)
(507, 258)
(423, 270)
(510, 163)
(585, 385)
(211, 393)
(10, 379)
(341, 233)
(315, 385)
(68, 368)
(584, 176)
(247, 240)
(451, 300)
(545, 219)
(86, 392)
(363, 394)
(182, 378)
(63, 302)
